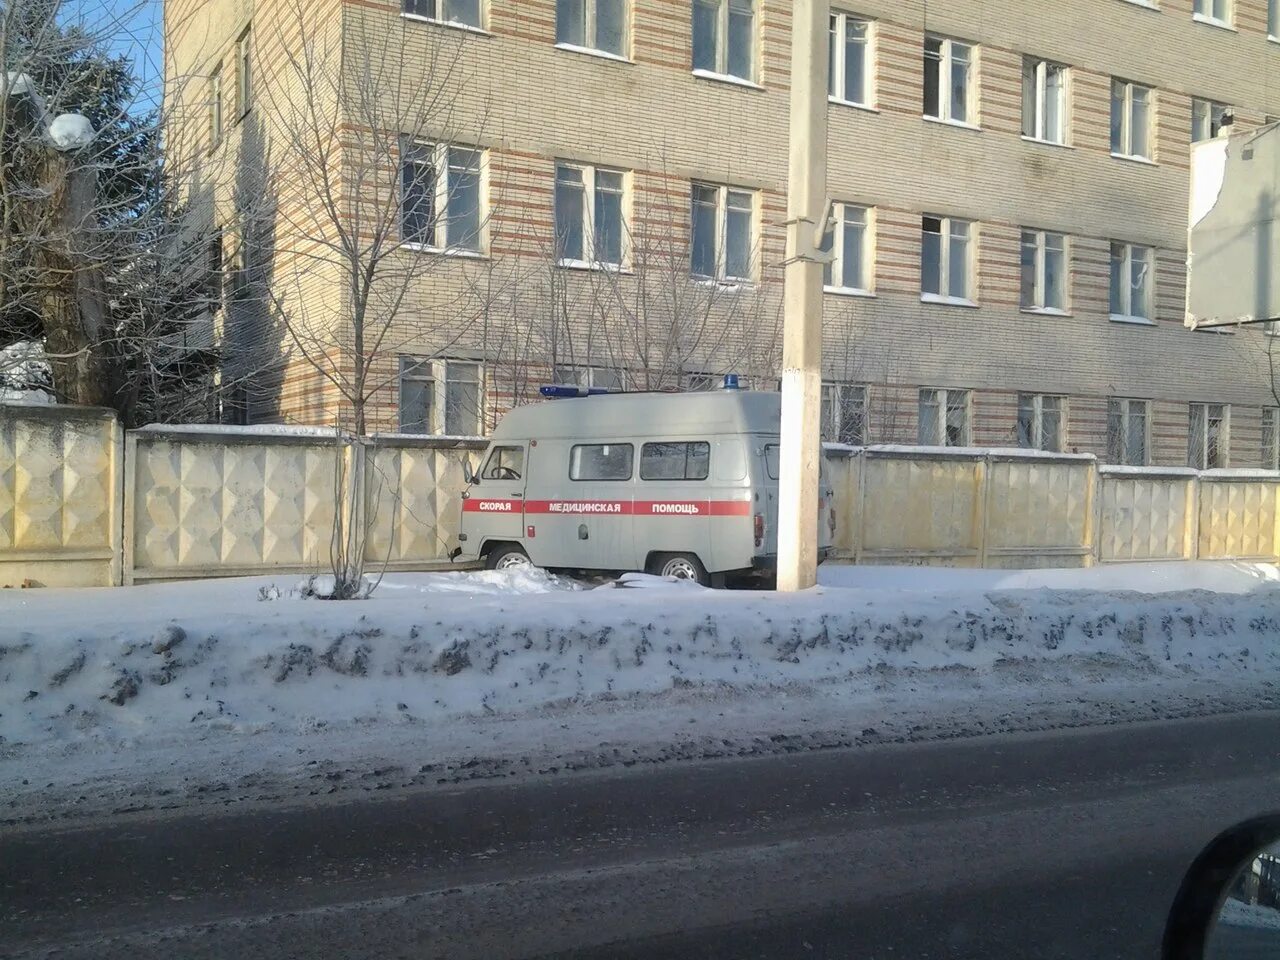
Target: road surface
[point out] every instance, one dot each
(1062, 844)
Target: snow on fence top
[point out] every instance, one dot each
(1118, 470)
(971, 453)
(230, 430)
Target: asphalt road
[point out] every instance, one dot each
(1064, 844)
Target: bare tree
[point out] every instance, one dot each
(375, 173)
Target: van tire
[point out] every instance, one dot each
(507, 556)
(679, 566)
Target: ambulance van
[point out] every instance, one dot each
(680, 485)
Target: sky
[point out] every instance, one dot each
(133, 28)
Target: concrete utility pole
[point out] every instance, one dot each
(802, 321)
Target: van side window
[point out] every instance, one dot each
(601, 461)
(771, 460)
(675, 461)
(505, 463)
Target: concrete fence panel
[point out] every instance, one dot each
(1238, 515)
(920, 506)
(60, 477)
(414, 497)
(1146, 514)
(233, 502)
(1039, 510)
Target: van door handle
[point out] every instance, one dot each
(518, 495)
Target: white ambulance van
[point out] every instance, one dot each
(675, 484)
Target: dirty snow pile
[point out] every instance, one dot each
(219, 665)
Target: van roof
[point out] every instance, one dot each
(614, 415)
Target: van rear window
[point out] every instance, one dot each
(601, 461)
(771, 460)
(675, 461)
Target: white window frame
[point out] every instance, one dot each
(1271, 438)
(1273, 20)
(1036, 440)
(437, 155)
(837, 397)
(946, 226)
(946, 57)
(1199, 14)
(839, 212)
(722, 277)
(439, 368)
(440, 6)
(942, 398)
(244, 73)
(589, 200)
(838, 60)
(590, 32)
(1198, 446)
(721, 69)
(1127, 151)
(1040, 77)
(216, 107)
(1204, 114)
(1126, 314)
(1125, 406)
(1041, 242)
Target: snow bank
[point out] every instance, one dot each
(1237, 913)
(127, 663)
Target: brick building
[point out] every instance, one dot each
(1009, 179)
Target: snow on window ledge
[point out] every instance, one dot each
(850, 292)
(1209, 21)
(596, 265)
(726, 78)
(1045, 311)
(1047, 143)
(443, 251)
(841, 102)
(451, 24)
(1134, 158)
(947, 301)
(1129, 318)
(728, 284)
(1145, 4)
(962, 124)
(594, 52)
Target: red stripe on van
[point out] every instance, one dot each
(491, 506)
(617, 508)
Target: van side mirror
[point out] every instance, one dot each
(467, 474)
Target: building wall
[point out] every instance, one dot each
(513, 92)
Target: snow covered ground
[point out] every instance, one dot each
(223, 690)
(1237, 913)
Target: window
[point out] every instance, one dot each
(600, 378)
(244, 75)
(504, 463)
(440, 197)
(849, 60)
(946, 79)
(215, 267)
(589, 217)
(944, 418)
(1044, 100)
(1273, 19)
(440, 396)
(847, 242)
(240, 262)
(1044, 271)
(721, 243)
(844, 413)
(1271, 438)
(724, 37)
(1206, 119)
(1127, 431)
(1217, 11)
(466, 12)
(1131, 281)
(601, 461)
(675, 461)
(215, 108)
(1041, 422)
(1130, 120)
(593, 25)
(945, 258)
(1208, 436)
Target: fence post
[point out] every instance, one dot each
(1092, 514)
(981, 507)
(130, 494)
(859, 517)
(1192, 524)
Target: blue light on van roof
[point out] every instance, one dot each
(731, 381)
(558, 391)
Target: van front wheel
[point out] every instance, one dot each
(680, 566)
(507, 557)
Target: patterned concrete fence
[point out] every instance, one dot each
(80, 506)
(59, 496)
